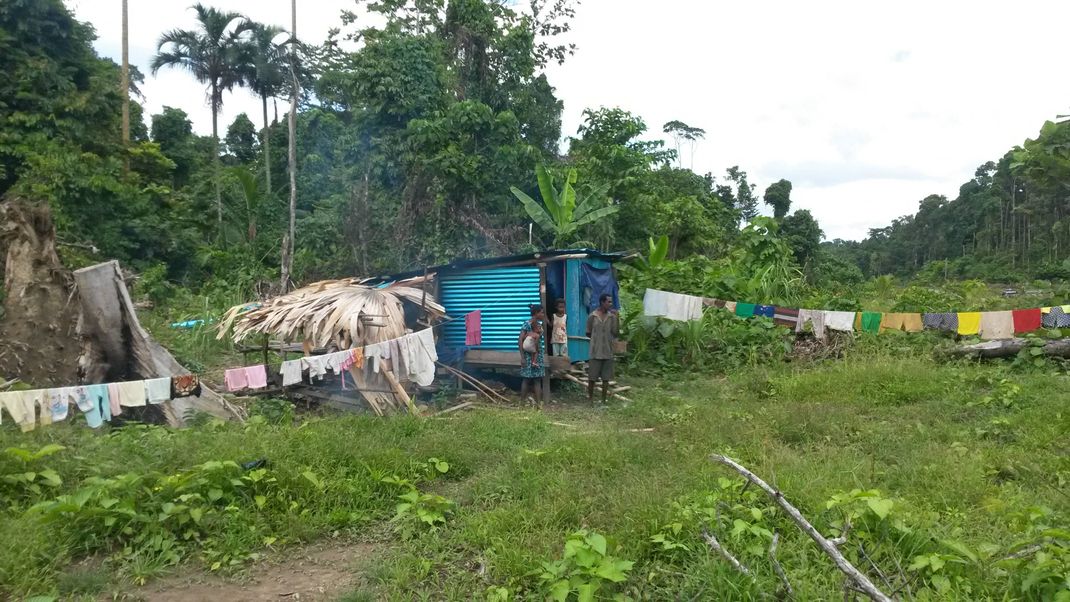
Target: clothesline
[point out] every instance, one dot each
(100, 402)
(1002, 324)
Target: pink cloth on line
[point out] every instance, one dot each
(113, 399)
(256, 376)
(473, 328)
(235, 379)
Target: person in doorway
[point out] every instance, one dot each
(559, 333)
(532, 364)
(603, 328)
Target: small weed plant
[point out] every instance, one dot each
(586, 571)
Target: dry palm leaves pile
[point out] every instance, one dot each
(331, 312)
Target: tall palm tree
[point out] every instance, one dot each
(289, 240)
(212, 54)
(265, 73)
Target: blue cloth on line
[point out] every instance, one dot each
(764, 310)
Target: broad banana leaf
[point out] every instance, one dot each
(595, 215)
(568, 202)
(590, 201)
(549, 194)
(536, 211)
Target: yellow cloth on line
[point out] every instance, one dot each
(969, 322)
(901, 321)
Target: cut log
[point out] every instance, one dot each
(128, 352)
(1009, 348)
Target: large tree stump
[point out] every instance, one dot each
(38, 327)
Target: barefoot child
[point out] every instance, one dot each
(559, 334)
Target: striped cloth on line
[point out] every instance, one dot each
(785, 316)
(941, 321)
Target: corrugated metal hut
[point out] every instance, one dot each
(503, 289)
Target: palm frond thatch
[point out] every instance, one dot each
(329, 311)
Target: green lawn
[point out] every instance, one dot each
(969, 461)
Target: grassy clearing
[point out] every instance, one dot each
(968, 462)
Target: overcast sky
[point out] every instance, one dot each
(865, 109)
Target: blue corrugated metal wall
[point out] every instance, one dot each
(504, 295)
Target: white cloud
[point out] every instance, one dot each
(867, 107)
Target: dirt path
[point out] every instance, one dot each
(319, 572)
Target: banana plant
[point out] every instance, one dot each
(657, 253)
(563, 212)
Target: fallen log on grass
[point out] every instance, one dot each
(1010, 348)
(857, 577)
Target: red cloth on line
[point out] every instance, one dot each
(1026, 320)
(473, 328)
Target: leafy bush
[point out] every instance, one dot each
(585, 569)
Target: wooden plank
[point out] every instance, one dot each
(492, 357)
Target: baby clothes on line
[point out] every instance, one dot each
(256, 376)
(996, 325)
(132, 393)
(969, 322)
(843, 321)
(718, 303)
(158, 390)
(766, 311)
(88, 406)
(901, 321)
(816, 318)
(114, 407)
(786, 316)
(100, 398)
(185, 385)
(730, 306)
(1026, 320)
(941, 321)
(58, 403)
(235, 379)
(291, 372)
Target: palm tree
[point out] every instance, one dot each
(289, 240)
(264, 74)
(212, 54)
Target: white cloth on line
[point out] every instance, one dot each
(291, 372)
(317, 365)
(672, 306)
(373, 354)
(132, 393)
(816, 317)
(422, 367)
(335, 360)
(158, 390)
(840, 320)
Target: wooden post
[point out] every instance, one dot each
(399, 391)
(266, 336)
(542, 301)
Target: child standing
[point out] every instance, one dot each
(559, 335)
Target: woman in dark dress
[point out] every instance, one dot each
(532, 365)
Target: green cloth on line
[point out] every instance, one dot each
(745, 310)
(871, 321)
